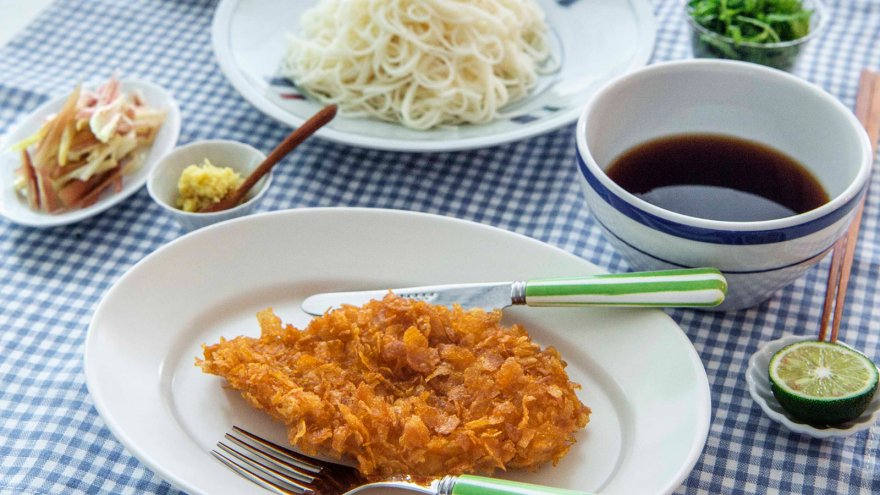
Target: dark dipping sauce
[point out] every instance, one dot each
(717, 177)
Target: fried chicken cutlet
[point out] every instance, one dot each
(401, 387)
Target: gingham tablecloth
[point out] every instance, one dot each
(52, 440)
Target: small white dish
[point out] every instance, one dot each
(594, 40)
(16, 209)
(758, 379)
(240, 157)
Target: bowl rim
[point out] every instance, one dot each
(817, 6)
(686, 226)
(266, 180)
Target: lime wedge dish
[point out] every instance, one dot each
(822, 383)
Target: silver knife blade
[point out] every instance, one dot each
(489, 296)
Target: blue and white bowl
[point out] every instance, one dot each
(737, 99)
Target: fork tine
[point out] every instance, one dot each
(331, 477)
(254, 477)
(269, 470)
(280, 469)
(276, 461)
(282, 454)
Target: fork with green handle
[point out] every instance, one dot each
(286, 472)
(477, 485)
(694, 287)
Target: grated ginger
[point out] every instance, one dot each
(203, 185)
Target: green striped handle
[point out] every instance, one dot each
(477, 485)
(696, 287)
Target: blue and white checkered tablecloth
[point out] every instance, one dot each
(52, 440)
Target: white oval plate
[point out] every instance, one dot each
(16, 209)
(595, 40)
(650, 403)
(758, 380)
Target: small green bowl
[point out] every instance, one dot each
(709, 44)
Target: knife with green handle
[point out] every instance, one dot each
(695, 287)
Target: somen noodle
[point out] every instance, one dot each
(423, 63)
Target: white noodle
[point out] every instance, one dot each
(423, 63)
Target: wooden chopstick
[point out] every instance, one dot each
(868, 113)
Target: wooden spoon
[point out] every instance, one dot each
(296, 137)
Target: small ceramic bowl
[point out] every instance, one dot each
(758, 380)
(782, 55)
(162, 183)
(746, 101)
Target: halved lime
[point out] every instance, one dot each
(822, 383)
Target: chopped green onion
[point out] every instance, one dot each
(753, 21)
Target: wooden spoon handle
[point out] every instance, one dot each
(295, 138)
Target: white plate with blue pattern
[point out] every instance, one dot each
(595, 41)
